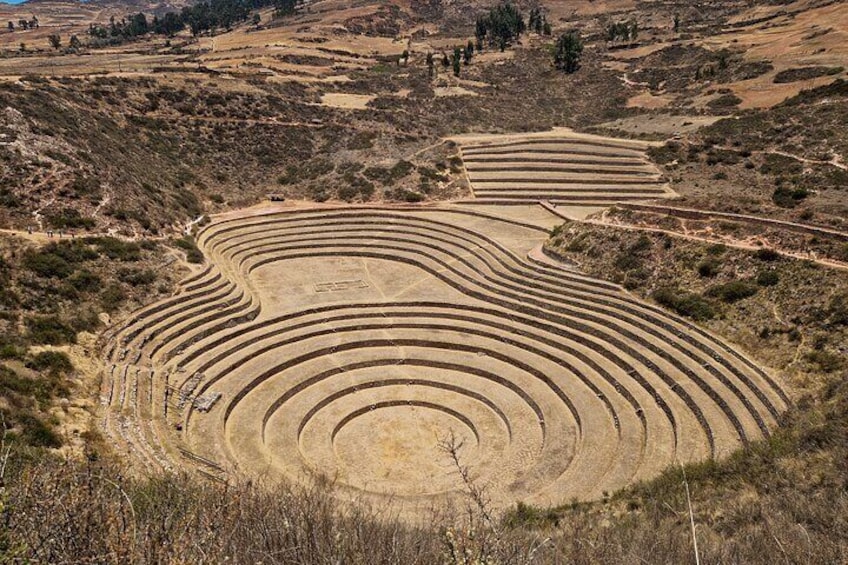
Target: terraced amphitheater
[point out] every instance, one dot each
(562, 166)
(352, 342)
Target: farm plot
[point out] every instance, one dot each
(358, 343)
(560, 167)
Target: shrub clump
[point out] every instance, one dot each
(733, 291)
(687, 304)
(54, 363)
(766, 254)
(767, 278)
(193, 253)
(50, 330)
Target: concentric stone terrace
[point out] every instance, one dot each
(352, 342)
(562, 167)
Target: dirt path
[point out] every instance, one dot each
(835, 162)
(729, 242)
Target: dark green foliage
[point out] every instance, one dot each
(664, 154)
(501, 26)
(837, 309)
(35, 432)
(825, 361)
(786, 197)
(538, 22)
(11, 349)
(388, 176)
(633, 256)
(527, 516)
(405, 195)
(767, 278)
(805, 73)
(193, 253)
(310, 170)
(716, 250)
(776, 164)
(688, 304)
(208, 15)
(8, 199)
(59, 259)
(84, 281)
(83, 186)
(724, 102)
(137, 277)
(48, 265)
(623, 31)
(356, 187)
(112, 297)
(69, 218)
(50, 330)
(54, 363)
(567, 52)
(733, 291)
(709, 267)
(766, 254)
(115, 248)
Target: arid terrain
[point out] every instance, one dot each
(357, 271)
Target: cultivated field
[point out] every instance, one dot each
(562, 167)
(359, 343)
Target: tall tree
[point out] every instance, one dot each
(55, 40)
(501, 26)
(567, 53)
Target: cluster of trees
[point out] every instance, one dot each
(208, 15)
(461, 55)
(501, 26)
(567, 52)
(623, 31)
(24, 24)
(125, 28)
(538, 22)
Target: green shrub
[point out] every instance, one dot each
(766, 254)
(193, 253)
(47, 265)
(825, 361)
(50, 330)
(767, 278)
(837, 309)
(11, 351)
(112, 297)
(717, 249)
(36, 433)
(69, 218)
(776, 164)
(709, 267)
(733, 291)
(137, 277)
(52, 362)
(786, 197)
(687, 304)
(526, 516)
(116, 249)
(84, 281)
